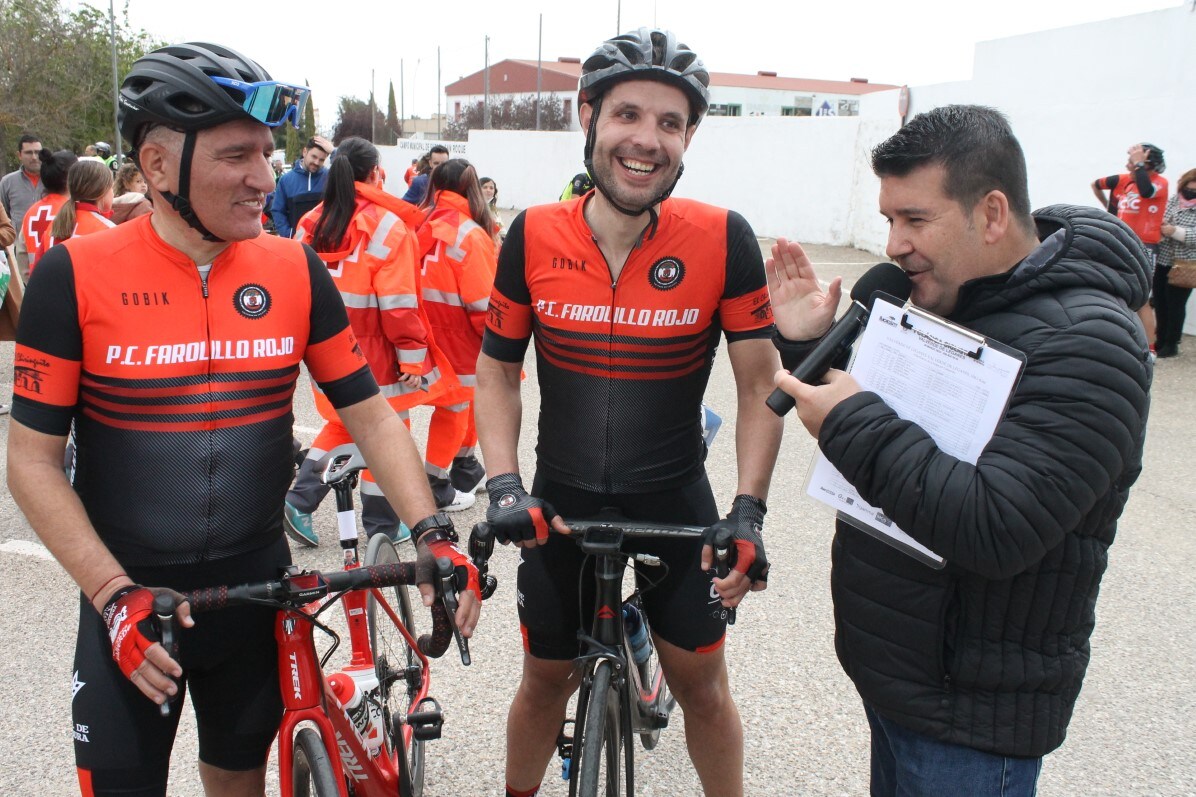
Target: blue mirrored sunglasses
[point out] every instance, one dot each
(270, 102)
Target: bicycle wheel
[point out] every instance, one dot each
(398, 669)
(598, 755)
(310, 768)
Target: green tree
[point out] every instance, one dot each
(353, 119)
(394, 130)
(293, 140)
(517, 114)
(56, 78)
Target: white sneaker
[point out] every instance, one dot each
(461, 501)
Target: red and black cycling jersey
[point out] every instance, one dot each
(623, 364)
(1139, 199)
(180, 388)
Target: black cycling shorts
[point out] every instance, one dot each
(230, 665)
(556, 584)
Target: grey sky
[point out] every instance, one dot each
(334, 45)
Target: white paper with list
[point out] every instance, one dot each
(950, 381)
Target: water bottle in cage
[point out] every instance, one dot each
(638, 639)
(365, 714)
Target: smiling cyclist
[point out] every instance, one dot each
(173, 342)
(627, 294)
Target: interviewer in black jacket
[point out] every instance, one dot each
(969, 674)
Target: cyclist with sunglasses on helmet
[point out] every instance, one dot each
(173, 343)
(627, 293)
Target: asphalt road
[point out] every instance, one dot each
(1132, 733)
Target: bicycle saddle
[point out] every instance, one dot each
(340, 463)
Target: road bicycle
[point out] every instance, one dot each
(621, 696)
(322, 751)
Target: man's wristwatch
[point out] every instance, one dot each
(439, 527)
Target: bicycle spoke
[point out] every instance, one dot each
(398, 667)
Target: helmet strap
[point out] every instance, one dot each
(650, 208)
(180, 201)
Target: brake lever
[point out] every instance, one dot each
(448, 594)
(722, 564)
(164, 608)
(481, 546)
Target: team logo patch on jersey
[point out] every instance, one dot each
(666, 274)
(252, 301)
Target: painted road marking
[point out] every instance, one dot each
(26, 548)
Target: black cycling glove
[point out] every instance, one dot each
(515, 515)
(745, 523)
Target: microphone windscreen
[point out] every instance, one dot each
(887, 277)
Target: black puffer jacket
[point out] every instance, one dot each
(990, 652)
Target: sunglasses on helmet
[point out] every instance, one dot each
(268, 101)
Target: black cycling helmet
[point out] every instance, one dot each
(195, 86)
(103, 149)
(646, 54)
(1154, 158)
(173, 86)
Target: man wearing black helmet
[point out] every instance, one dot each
(627, 294)
(104, 153)
(173, 345)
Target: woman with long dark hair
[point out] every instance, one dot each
(87, 210)
(459, 262)
(360, 232)
(36, 224)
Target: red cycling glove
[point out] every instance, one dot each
(440, 541)
(129, 615)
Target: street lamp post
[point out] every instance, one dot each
(115, 80)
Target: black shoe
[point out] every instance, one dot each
(467, 474)
(1170, 350)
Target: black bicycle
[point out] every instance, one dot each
(623, 690)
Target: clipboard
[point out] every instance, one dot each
(953, 382)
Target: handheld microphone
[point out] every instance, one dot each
(886, 277)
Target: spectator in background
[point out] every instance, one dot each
(458, 276)
(301, 189)
(1178, 243)
(89, 183)
(1139, 199)
(579, 186)
(129, 200)
(20, 189)
(104, 152)
(490, 194)
(54, 169)
(412, 170)
(8, 233)
(418, 188)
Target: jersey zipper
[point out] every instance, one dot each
(609, 443)
(207, 316)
